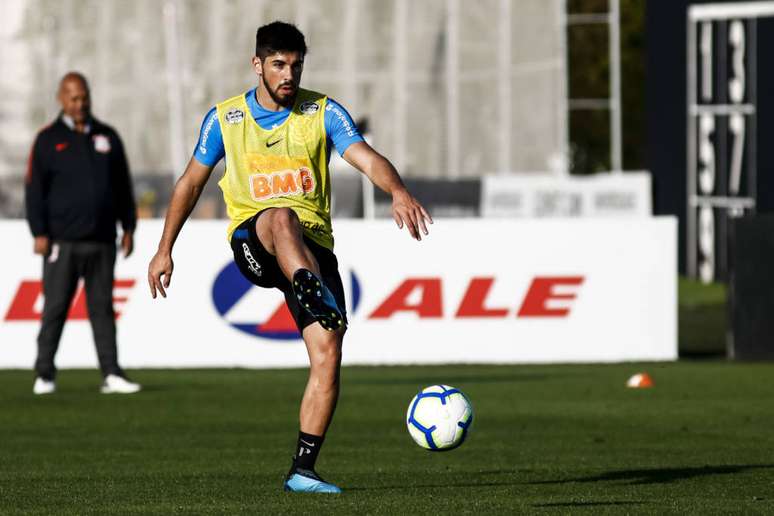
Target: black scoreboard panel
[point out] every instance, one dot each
(710, 114)
(765, 118)
(751, 289)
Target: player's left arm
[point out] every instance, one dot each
(405, 208)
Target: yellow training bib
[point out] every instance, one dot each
(284, 167)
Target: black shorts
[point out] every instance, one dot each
(261, 268)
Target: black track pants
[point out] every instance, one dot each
(67, 263)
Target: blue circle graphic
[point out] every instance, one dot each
(231, 286)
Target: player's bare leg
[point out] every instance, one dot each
(317, 407)
(322, 388)
(280, 233)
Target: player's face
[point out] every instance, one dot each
(74, 99)
(280, 74)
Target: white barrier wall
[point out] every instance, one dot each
(485, 291)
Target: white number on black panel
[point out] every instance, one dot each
(706, 244)
(706, 154)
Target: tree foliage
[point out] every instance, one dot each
(589, 78)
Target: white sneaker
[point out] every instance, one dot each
(115, 384)
(43, 386)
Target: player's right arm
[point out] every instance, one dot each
(187, 191)
(209, 150)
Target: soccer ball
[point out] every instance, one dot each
(439, 418)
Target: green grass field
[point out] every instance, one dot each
(702, 318)
(545, 439)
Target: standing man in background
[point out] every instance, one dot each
(77, 188)
(277, 139)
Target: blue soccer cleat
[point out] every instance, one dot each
(316, 299)
(308, 482)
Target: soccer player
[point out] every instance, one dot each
(276, 139)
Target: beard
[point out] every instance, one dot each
(286, 100)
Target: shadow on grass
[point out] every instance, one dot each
(447, 485)
(75, 392)
(454, 484)
(429, 379)
(587, 504)
(659, 475)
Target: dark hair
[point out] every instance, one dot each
(278, 36)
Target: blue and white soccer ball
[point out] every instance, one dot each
(439, 418)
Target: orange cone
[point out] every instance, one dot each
(640, 381)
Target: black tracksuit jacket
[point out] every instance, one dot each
(78, 185)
